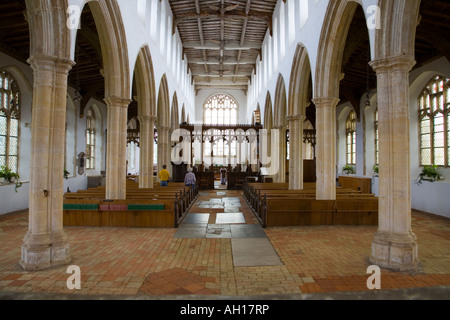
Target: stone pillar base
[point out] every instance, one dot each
(37, 255)
(395, 252)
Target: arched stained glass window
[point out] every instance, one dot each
(90, 139)
(434, 122)
(220, 109)
(9, 121)
(351, 138)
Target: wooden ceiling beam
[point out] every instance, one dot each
(265, 18)
(213, 61)
(241, 75)
(229, 45)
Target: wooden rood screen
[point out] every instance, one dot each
(275, 205)
(160, 207)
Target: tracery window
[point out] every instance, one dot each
(220, 109)
(9, 121)
(90, 139)
(351, 138)
(434, 122)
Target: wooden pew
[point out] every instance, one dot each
(158, 207)
(138, 213)
(81, 212)
(275, 205)
(295, 212)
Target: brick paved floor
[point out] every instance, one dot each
(120, 261)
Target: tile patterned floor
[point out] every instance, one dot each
(130, 262)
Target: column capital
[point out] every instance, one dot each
(280, 127)
(44, 62)
(389, 64)
(114, 101)
(162, 128)
(147, 119)
(297, 117)
(323, 102)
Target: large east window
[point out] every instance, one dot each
(220, 109)
(90, 139)
(9, 121)
(351, 138)
(434, 123)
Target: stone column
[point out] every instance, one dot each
(163, 147)
(296, 152)
(147, 125)
(45, 244)
(116, 157)
(326, 147)
(395, 245)
(280, 176)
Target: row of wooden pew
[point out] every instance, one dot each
(275, 205)
(159, 207)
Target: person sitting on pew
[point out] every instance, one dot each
(164, 176)
(189, 178)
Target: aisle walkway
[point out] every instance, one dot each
(221, 251)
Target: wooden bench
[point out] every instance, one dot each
(162, 207)
(81, 212)
(138, 213)
(312, 212)
(120, 213)
(275, 205)
(298, 212)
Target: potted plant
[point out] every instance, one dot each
(10, 177)
(348, 169)
(376, 171)
(2, 175)
(429, 173)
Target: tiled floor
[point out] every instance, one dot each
(197, 258)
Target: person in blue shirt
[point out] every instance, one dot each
(189, 178)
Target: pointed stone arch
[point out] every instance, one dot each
(183, 114)
(163, 123)
(397, 37)
(145, 81)
(112, 37)
(338, 19)
(265, 137)
(49, 34)
(299, 86)
(163, 103)
(280, 103)
(280, 123)
(174, 113)
(328, 74)
(268, 113)
(300, 93)
(146, 98)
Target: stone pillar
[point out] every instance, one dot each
(326, 147)
(45, 244)
(280, 176)
(395, 245)
(163, 147)
(116, 157)
(296, 152)
(147, 125)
